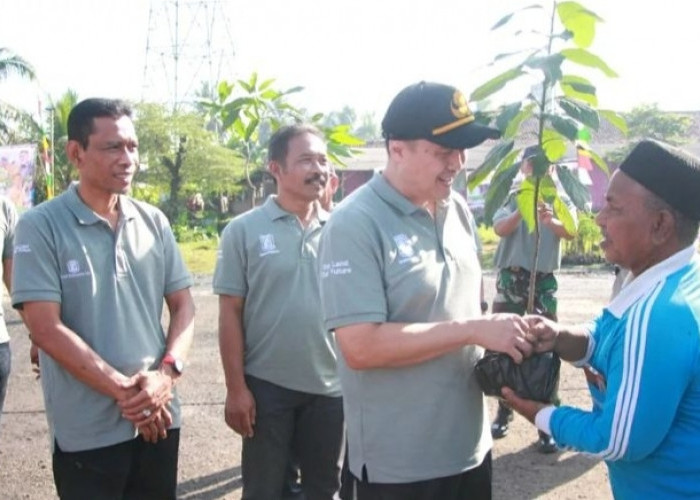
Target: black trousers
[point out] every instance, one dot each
(132, 470)
(292, 424)
(474, 484)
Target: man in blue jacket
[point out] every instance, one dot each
(641, 356)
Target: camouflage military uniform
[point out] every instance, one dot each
(512, 285)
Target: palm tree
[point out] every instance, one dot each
(15, 124)
(63, 173)
(12, 64)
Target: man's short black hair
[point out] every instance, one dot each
(82, 116)
(278, 146)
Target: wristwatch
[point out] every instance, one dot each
(176, 363)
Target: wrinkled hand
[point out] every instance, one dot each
(526, 407)
(158, 428)
(507, 333)
(155, 391)
(543, 333)
(239, 411)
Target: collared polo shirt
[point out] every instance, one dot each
(383, 259)
(111, 287)
(270, 259)
(518, 248)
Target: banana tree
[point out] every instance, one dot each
(562, 104)
(248, 112)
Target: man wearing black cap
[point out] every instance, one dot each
(641, 356)
(400, 285)
(514, 258)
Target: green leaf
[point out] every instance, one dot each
(554, 144)
(550, 65)
(229, 116)
(585, 58)
(502, 21)
(579, 21)
(253, 82)
(599, 161)
(266, 84)
(564, 125)
(514, 126)
(499, 189)
(615, 119)
(293, 90)
(580, 112)
(246, 86)
(507, 114)
(493, 158)
(344, 138)
(579, 194)
(224, 90)
(239, 128)
(526, 202)
(496, 84)
(250, 129)
(506, 55)
(561, 212)
(579, 88)
(548, 190)
(269, 95)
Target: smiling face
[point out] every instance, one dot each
(304, 172)
(424, 171)
(108, 163)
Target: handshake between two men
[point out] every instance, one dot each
(526, 372)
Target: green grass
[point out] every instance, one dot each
(200, 256)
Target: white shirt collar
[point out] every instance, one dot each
(635, 288)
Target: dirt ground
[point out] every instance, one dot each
(210, 452)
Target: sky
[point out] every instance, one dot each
(358, 53)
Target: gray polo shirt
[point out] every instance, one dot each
(518, 248)
(383, 259)
(8, 221)
(270, 259)
(111, 287)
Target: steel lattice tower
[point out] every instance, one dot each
(189, 49)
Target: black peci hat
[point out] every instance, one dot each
(668, 172)
(437, 113)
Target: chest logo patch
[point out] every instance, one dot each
(74, 271)
(267, 245)
(404, 246)
(73, 266)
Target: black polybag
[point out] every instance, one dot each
(535, 378)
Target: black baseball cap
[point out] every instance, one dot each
(435, 112)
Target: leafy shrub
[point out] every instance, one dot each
(189, 229)
(487, 235)
(584, 248)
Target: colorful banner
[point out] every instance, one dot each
(17, 166)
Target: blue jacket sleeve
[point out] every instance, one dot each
(647, 359)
